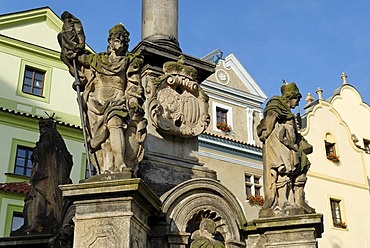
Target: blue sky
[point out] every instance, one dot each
(310, 42)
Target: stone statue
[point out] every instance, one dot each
(203, 238)
(179, 106)
(112, 96)
(285, 159)
(51, 167)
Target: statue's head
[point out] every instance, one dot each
(208, 225)
(46, 124)
(118, 39)
(291, 94)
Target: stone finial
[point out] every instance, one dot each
(344, 78)
(319, 92)
(309, 99)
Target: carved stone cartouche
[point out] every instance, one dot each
(179, 106)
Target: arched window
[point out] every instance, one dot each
(330, 148)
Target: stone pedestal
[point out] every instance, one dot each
(300, 231)
(111, 213)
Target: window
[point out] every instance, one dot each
(23, 163)
(252, 185)
(367, 145)
(222, 118)
(221, 115)
(33, 81)
(17, 220)
(336, 213)
(330, 148)
(87, 172)
(331, 154)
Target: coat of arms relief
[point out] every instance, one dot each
(179, 106)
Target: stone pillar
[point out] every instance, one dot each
(297, 231)
(160, 22)
(111, 213)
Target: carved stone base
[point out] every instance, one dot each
(41, 241)
(300, 231)
(111, 213)
(126, 174)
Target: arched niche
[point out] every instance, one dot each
(187, 202)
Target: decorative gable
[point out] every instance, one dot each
(229, 72)
(43, 23)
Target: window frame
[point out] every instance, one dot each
(20, 214)
(27, 160)
(252, 185)
(10, 209)
(12, 157)
(229, 115)
(45, 97)
(334, 216)
(33, 80)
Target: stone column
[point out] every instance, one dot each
(170, 158)
(160, 22)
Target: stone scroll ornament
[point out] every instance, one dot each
(179, 106)
(112, 96)
(285, 162)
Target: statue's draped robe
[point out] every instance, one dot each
(278, 157)
(51, 167)
(203, 242)
(111, 88)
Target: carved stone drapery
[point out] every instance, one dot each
(111, 96)
(51, 166)
(179, 106)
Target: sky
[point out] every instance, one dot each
(310, 42)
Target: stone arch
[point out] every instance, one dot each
(188, 199)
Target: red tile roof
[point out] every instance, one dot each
(19, 187)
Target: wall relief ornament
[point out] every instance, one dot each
(179, 106)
